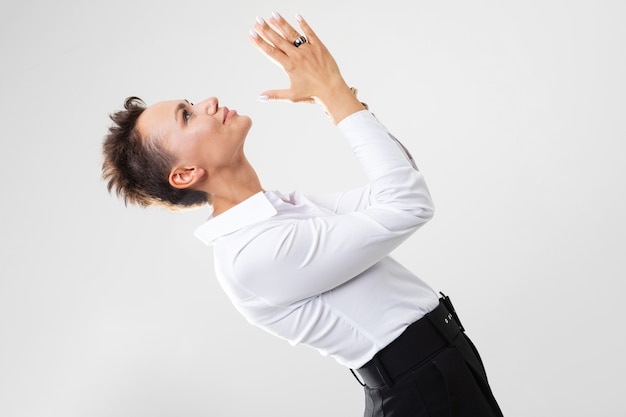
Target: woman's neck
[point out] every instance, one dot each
(230, 187)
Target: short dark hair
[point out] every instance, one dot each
(137, 168)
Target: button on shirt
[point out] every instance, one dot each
(316, 270)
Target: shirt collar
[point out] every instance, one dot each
(250, 211)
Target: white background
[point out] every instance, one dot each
(515, 112)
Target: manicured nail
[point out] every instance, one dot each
(299, 18)
(276, 15)
(260, 21)
(263, 98)
(254, 34)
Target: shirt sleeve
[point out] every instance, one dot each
(289, 261)
(357, 198)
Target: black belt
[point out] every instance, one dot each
(419, 342)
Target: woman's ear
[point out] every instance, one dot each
(185, 177)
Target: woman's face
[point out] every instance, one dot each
(203, 135)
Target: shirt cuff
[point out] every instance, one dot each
(355, 119)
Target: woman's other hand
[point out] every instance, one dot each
(313, 73)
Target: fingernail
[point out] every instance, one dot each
(263, 98)
(254, 34)
(260, 21)
(299, 18)
(276, 15)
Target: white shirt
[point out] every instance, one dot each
(317, 270)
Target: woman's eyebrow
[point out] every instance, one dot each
(182, 105)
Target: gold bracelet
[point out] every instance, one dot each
(355, 92)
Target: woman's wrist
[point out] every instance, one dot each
(340, 102)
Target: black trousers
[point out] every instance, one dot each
(433, 369)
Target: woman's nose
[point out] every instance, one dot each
(208, 105)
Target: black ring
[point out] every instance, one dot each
(299, 41)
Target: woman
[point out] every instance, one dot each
(310, 269)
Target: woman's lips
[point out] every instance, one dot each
(228, 114)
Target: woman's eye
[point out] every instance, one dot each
(186, 116)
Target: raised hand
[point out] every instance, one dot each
(313, 73)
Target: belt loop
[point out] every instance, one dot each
(448, 303)
(382, 371)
